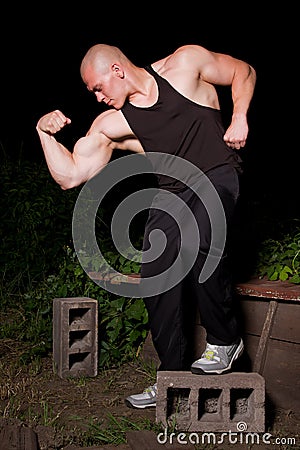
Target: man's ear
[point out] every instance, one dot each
(117, 70)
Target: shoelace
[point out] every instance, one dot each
(211, 353)
(151, 389)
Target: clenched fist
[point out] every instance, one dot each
(53, 122)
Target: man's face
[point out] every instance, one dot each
(108, 87)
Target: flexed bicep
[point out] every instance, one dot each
(91, 153)
(108, 132)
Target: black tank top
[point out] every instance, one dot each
(181, 127)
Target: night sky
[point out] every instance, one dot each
(41, 56)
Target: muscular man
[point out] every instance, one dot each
(172, 107)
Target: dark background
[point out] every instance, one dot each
(41, 53)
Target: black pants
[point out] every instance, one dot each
(172, 313)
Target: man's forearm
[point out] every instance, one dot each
(242, 90)
(58, 158)
(243, 85)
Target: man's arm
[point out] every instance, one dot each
(91, 152)
(224, 70)
(241, 76)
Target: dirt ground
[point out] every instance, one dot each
(61, 411)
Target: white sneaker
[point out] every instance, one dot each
(145, 400)
(217, 359)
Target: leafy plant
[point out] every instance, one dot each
(123, 322)
(279, 259)
(35, 221)
(38, 264)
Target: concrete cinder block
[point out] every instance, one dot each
(75, 336)
(230, 402)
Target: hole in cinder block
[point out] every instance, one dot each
(240, 403)
(178, 403)
(79, 361)
(79, 315)
(79, 340)
(209, 403)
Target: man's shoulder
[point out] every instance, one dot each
(186, 55)
(106, 120)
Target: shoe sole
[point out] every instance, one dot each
(135, 406)
(236, 355)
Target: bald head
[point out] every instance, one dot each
(100, 58)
